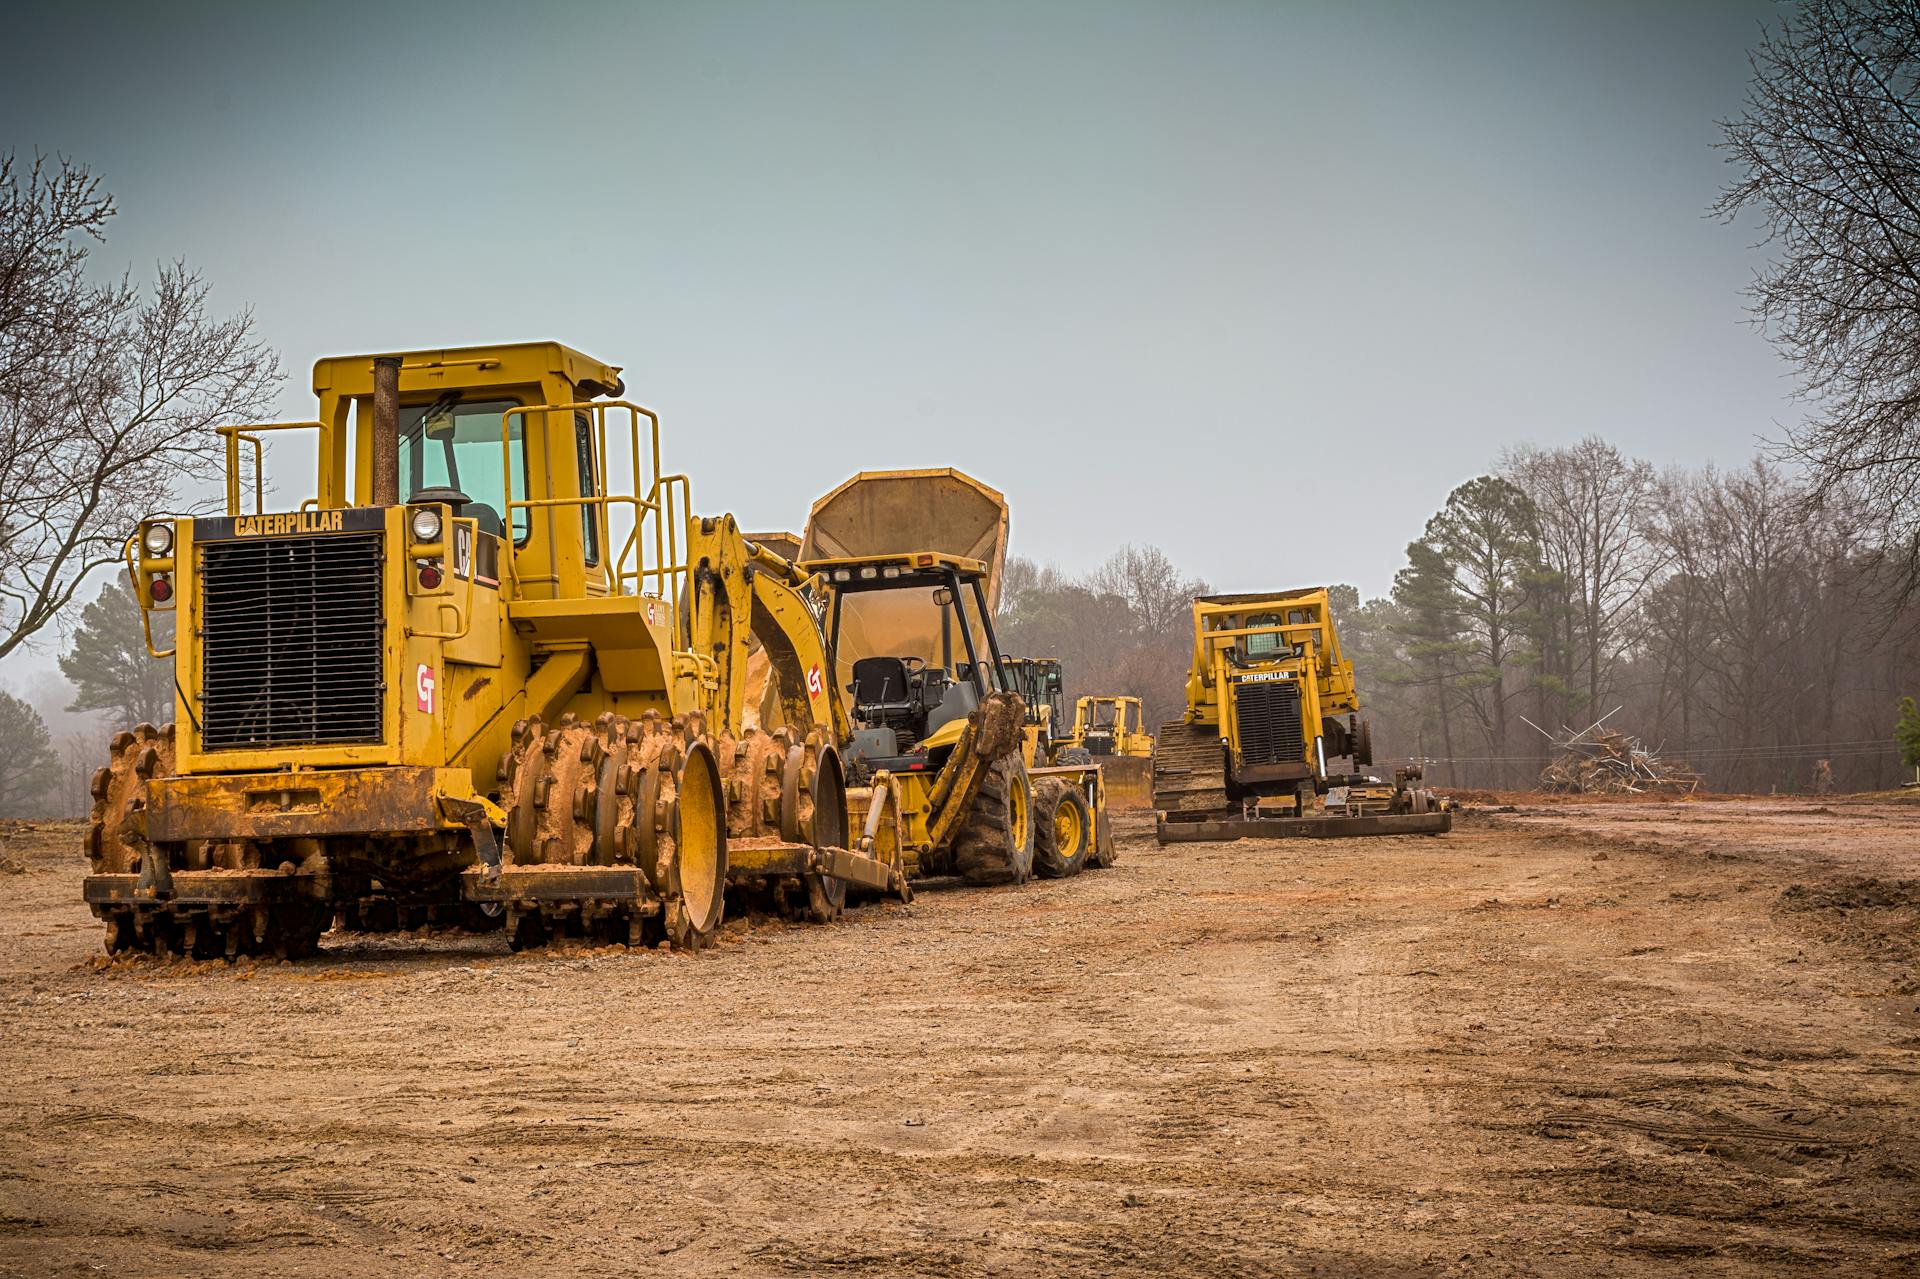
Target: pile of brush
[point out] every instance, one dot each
(1600, 761)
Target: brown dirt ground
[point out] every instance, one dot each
(1565, 1040)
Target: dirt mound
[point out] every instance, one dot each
(1853, 894)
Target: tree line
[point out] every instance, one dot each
(1737, 620)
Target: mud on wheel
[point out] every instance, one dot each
(645, 793)
(1062, 829)
(117, 844)
(995, 843)
(813, 810)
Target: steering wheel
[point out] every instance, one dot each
(915, 664)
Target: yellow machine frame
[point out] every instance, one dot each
(1267, 688)
(1130, 735)
(490, 646)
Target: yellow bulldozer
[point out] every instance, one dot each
(1271, 707)
(494, 671)
(1111, 731)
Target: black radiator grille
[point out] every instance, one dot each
(1269, 715)
(291, 631)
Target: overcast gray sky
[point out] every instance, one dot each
(1256, 283)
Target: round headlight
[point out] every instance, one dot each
(426, 525)
(158, 540)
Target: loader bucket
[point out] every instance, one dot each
(898, 512)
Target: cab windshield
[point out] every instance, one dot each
(448, 444)
(1264, 645)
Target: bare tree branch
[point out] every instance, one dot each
(107, 392)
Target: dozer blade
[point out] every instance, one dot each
(1129, 780)
(1222, 829)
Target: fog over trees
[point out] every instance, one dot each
(1731, 619)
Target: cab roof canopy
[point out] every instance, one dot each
(454, 367)
(893, 572)
(1304, 593)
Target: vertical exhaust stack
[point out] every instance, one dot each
(386, 431)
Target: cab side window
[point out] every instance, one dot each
(589, 487)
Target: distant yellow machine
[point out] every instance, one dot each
(493, 669)
(1270, 702)
(1111, 732)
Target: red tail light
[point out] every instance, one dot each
(429, 576)
(161, 590)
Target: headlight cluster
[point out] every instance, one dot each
(158, 541)
(425, 524)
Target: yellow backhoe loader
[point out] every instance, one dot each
(904, 554)
(1270, 702)
(494, 669)
(940, 749)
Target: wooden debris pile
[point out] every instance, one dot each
(1601, 761)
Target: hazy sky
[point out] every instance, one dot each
(1257, 283)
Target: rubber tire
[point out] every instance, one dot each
(1049, 862)
(1076, 755)
(987, 850)
(1363, 745)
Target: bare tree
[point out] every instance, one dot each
(1593, 508)
(107, 392)
(1126, 628)
(1828, 150)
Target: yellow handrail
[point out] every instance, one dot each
(668, 500)
(232, 435)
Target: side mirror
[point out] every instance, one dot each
(942, 597)
(1053, 681)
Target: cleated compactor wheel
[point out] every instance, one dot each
(644, 793)
(117, 844)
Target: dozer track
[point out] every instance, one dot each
(1189, 772)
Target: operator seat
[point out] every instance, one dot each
(884, 693)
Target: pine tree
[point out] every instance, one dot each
(109, 664)
(1481, 551)
(1907, 733)
(29, 768)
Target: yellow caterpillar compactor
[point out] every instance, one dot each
(1110, 731)
(494, 671)
(1270, 702)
